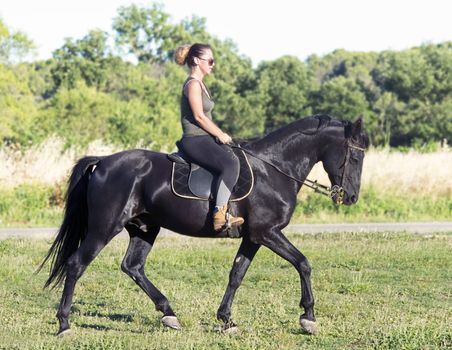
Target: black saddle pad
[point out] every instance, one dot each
(194, 182)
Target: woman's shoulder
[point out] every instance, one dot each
(201, 86)
(189, 80)
(192, 87)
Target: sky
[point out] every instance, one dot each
(262, 30)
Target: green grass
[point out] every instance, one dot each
(375, 205)
(33, 205)
(373, 291)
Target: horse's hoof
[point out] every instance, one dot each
(230, 328)
(66, 333)
(171, 322)
(308, 326)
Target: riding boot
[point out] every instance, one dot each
(219, 219)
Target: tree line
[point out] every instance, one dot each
(123, 87)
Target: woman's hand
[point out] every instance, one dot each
(225, 138)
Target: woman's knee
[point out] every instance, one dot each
(230, 172)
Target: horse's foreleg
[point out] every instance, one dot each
(133, 265)
(242, 261)
(278, 243)
(76, 265)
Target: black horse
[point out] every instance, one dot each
(132, 190)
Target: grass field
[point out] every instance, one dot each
(373, 291)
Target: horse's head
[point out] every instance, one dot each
(343, 161)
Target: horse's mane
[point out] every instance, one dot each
(307, 126)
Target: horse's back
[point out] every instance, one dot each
(135, 162)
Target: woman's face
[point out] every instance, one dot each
(206, 62)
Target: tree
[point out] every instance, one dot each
(18, 108)
(388, 110)
(149, 111)
(79, 115)
(144, 32)
(439, 59)
(14, 45)
(423, 123)
(88, 59)
(342, 98)
(441, 118)
(406, 73)
(284, 86)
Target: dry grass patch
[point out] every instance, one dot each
(46, 163)
(412, 172)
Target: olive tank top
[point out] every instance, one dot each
(190, 126)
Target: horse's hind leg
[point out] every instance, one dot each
(76, 265)
(242, 261)
(133, 265)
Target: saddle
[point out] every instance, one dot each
(189, 180)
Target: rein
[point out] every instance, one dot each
(317, 187)
(331, 192)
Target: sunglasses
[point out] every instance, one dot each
(210, 61)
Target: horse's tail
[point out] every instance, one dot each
(73, 229)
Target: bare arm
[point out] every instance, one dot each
(194, 93)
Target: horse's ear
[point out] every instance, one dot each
(357, 126)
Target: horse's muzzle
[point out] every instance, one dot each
(349, 199)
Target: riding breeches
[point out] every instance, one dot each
(218, 159)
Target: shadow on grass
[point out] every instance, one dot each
(299, 331)
(151, 328)
(113, 317)
(122, 317)
(83, 302)
(97, 327)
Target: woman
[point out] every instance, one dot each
(200, 132)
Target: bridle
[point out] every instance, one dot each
(335, 192)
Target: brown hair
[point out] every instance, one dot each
(185, 54)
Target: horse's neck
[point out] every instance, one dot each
(295, 154)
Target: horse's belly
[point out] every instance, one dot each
(185, 216)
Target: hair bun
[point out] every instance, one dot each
(181, 54)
